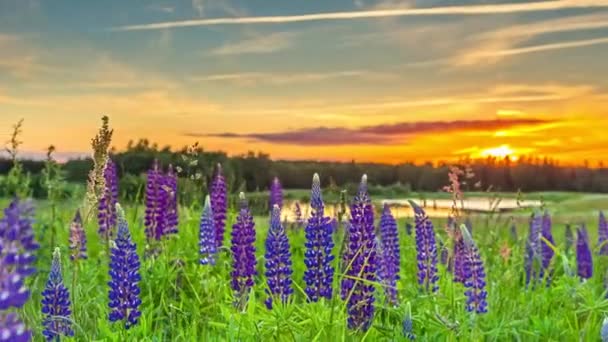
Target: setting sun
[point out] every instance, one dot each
(501, 151)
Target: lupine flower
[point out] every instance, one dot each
(12, 329)
(207, 245)
(547, 251)
(17, 246)
(426, 248)
(603, 234)
(475, 276)
(297, 212)
(533, 262)
(276, 193)
(278, 261)
(388, 269)
(106, 213)
(360, 261)
(408, 324)
(219, 205)
(156, 203)
(459, 259)
(124, 273)
(584, 259)
(170, 188)
(319, 274)
(243, 254)
(56, 304)
(78, 239)
(569, 236)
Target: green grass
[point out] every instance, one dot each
(184, 301)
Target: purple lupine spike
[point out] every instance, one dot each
(547, 251)
(207, 245)
(297, 212)
(360, 261)
(219, 205)
(426, 248)
(153, 197)
(459, 259)
(603, 234)
(56, 304)
(157, 202)
(319, 274)
(278, 261)
(172, 213)
(533, 262)
(78, 239)
(584, 260)
(276, 193)
(475, 276)
(106, 212)
(243, 254)
(124, 273)
(12, 329)
(17, 247)
(389, 268)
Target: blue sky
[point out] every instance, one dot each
(175, 71)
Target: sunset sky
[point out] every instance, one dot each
(385, 81)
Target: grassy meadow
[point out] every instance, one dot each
(185, 301)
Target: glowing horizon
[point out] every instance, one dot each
(369, 80)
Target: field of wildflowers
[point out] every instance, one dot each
(101, 270)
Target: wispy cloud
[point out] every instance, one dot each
(256, 45)
(257, 78)
(385, 134)
(381, 13)
(496, 45)
(546, 47)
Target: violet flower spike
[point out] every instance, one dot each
(603, 234)
(360, 261)
(207, 245)
(389, 268)
(172, 205)
(219, 205)
(17, 247)
(106, 213)
(243, 254)
(278, 261)
(584, 259)
(533, 261)
(78, 239)
(124, 273)
(426, 248)
(276, 193)
(56, 304)
(156, 204)
(459, 260)
(475, 276)
(318, 258)
(547, 251)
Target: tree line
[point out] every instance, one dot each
(254, 171)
